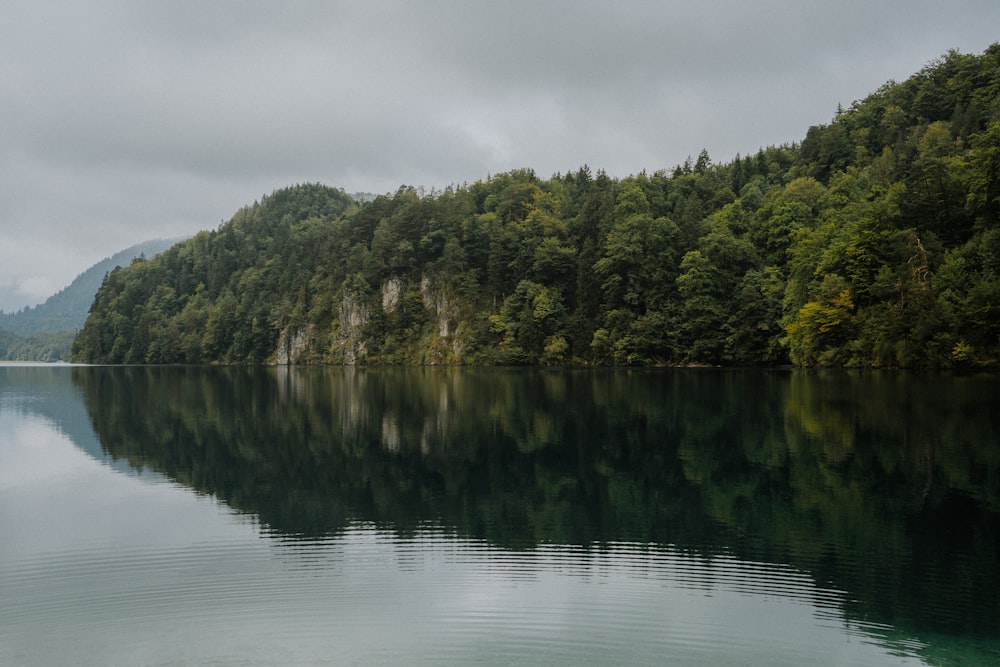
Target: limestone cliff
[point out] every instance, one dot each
(349, 345)
(292, 345)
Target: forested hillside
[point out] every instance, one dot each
(46, 331)
(873, 242)
(67, 309)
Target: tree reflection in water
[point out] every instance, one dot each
(886, 486)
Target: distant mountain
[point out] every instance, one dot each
(67, 309)
(45, 332)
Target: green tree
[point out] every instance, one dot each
(821, 328)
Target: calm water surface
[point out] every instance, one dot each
(206, 516)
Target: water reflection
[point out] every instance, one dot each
(885, 486)
(880, 488)
(583, 512)
(46, 392)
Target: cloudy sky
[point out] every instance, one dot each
(122, 122)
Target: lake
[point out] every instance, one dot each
(441, 516)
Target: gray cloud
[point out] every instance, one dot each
(128, 121)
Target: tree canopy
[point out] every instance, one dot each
(875, 242)
(46, 331)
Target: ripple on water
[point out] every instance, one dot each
(367, 595)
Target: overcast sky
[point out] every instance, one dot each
(122, 122)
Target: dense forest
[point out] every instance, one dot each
(873, 242)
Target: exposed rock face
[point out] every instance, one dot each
(439, 304)
(354, 314)
(348, 344)
(292, 343)
(391, 289)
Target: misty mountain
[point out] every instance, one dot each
(46, 331)
(67, 309)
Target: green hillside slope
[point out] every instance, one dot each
(873, 242)
(66, 310)
(46, 331)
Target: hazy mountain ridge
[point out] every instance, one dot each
(66, 310)
(44, 332)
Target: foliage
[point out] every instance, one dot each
(874, 242)
(54, 346)
(45, 332)
(67, 309)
